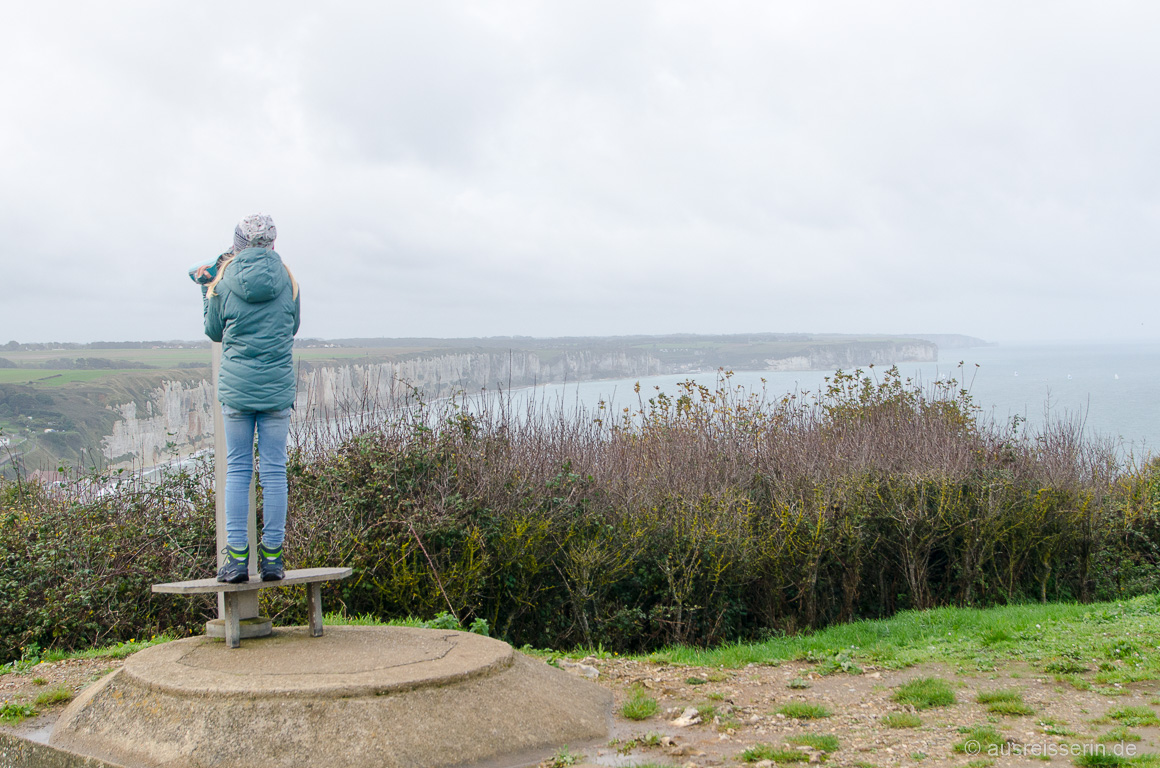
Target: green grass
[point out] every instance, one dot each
(1100, 760)
(819, 741)
(1133, 717)
(14, 713)
(1011, 708)
(367, 620)
(925, 693)
(1053, 728)
(55, 378)
(563, 758)
(979, 739)
(804, 710)
(1004, 702)
(976, 638)
(113, 651)
(760, 752)
(1117, 734)
(706, 711)
(798, 684)
(639, 706)
(901, 720)
(56, 695)
(1075, 681)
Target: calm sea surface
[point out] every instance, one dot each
(1112, 388)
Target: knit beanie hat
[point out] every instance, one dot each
(256, 231)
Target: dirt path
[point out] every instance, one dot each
(744, 713)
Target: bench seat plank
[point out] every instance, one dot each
(299, 576)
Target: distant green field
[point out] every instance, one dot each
(165, 358)
(51, 378)
(162, 358)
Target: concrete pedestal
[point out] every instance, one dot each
(357, 696)
(259, 626)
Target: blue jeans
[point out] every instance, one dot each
(272, 428)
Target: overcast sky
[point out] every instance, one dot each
(558, 168)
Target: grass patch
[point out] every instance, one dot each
(1011, 708)
(563, 758)
(13, 713)
(992, 697)
(804, 710)
(1108, 690)
(639, 706)
(760, 752)
(1110, 676)
(798, 684)
(1133, 717)
(1075, 681)
(1118, 734)
(114, 651)
(984, 736)
(902, 720)
(925, 693)
(1005, 702)
(973, 637)
(1100, 760)
(819, 741)
(56, 695)
(1052, 728)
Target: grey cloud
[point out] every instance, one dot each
(518, 168)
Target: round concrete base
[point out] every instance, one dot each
(259, 626)
(357, 696)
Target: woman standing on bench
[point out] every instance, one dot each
(251, 306)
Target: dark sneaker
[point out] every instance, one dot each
(270, 563)
(237, 567)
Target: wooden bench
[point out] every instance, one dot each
(311, 577)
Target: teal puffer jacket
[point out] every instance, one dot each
(255, 314)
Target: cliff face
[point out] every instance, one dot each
(177, 419)
(833, 357)
(330, 389)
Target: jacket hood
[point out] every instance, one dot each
(256, 275)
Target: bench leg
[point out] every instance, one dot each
(314, 608)
(232, 618)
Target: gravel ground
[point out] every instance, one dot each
(744, 713)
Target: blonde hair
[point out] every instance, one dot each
(224, 261)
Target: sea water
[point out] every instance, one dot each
(1110, 388)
